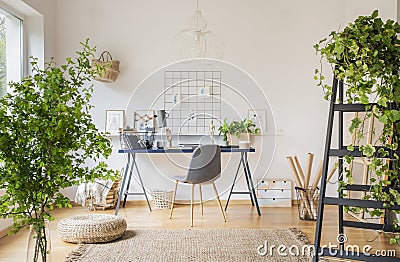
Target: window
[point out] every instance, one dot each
(10, 49)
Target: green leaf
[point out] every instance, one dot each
(368, 150)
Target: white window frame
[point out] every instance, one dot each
(20, 16)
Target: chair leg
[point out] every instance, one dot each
(191, 204)
(201, 200)
(173, 200)
(219, 201)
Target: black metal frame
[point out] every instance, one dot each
(130, 165)
(338, 90)
(249, 181)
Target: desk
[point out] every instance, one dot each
(131, 164)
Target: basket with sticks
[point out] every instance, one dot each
(307, 195)
(308, 203)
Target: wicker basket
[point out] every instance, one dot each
(111, 68)
(112, 196)
(161, 199)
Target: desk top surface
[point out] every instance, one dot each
(183, 150)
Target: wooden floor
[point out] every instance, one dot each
(12, 248)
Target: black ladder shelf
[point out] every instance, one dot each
(340, 152)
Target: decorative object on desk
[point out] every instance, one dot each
(161, 198)
(212, 130)
(109, 68)
(238, 131)
(52, 136)
(224, 143)
(144, 119)
(244, 144)
(136, 140)
(258, 117)
(169, 137)
(196, 41)
(114, 121)
(160, 144)
(224, 129)
(162, 116)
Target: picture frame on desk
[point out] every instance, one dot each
(114, 121)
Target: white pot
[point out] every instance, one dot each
(234, 140)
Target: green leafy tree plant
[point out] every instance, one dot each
(365, 56)
(47, 138)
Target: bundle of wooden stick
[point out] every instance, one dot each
(307, 194)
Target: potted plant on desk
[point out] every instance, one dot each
(224, 130)
(238, 131)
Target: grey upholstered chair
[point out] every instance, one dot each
(205, 168)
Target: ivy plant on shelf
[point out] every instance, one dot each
(47, 137)
(365, 56)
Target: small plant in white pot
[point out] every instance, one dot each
(238, 131)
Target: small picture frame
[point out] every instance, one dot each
(114, 121)
(258, 116)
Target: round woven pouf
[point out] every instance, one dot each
(91, 228)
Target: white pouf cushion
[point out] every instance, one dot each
(91, 228)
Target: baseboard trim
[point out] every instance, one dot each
(210, 202)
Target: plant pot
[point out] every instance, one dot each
(234, 140)
(39, 249)
(224, 143)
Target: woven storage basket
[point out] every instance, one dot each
(91, 228)
(161, 199)
(112, 196)
(111, 68)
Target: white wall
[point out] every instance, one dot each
(271, 40)
(47, 9)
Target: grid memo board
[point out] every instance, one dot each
(193, 100)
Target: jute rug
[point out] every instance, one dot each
(198, 245)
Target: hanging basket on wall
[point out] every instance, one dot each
(111, 71)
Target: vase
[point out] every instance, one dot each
(39, 248)
(234, 140)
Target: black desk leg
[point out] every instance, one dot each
(243, 160)
(121, 191)
(141, 183)
(233, 185)
(251, 183)
(130, 177)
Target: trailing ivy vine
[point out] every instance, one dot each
(365, 56)
(47, 137)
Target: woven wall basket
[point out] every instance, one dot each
(111, 68)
